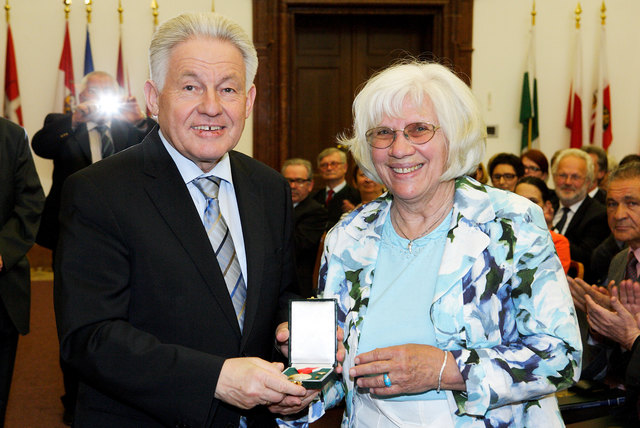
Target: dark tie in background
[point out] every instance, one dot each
(105, 139)
(222, 244)
(559, 225)
(632, 267)
(329, 197)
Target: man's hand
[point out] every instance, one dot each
(291, 404)
(617, 324)
(83, 113)
(282, 338)
(250, 382)
(628, 292)
(130, 111)
(1, 264)
(580, 289)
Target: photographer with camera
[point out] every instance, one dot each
(102, 124)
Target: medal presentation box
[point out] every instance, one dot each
(312, 342)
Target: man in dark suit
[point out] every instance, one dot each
(581, 219)
(162, 328)
(309, 218)
(600, 170)
(21, 202)
(74, 140)
(617, 319)
(332, 163)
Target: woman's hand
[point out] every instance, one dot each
(411, 369)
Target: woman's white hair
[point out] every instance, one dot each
(416, 81)
(198, 24)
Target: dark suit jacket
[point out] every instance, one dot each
(601, 196)
(587, 229)
(335, 205)
(310, 219)
(601, 258)
(70, 151)
(618, 266)
(21, 202)
(142, 309)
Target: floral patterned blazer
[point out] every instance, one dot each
(501, 306)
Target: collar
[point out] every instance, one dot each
(92, 125)
(338, 188)
(574, 208)
(189, 170)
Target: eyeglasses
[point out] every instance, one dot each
(325, 165)
(298, 181)
(565, 177)
(507, 176)
(531, 169)
(416, 133)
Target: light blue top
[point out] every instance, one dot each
(401, 294)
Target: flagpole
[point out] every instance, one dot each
(154, 8)
(88, 3)
(533, 24)
(67, 9)
(578, 11)
(603, 13)
(7, 8)
(213, 5)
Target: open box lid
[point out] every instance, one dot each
(312, 332)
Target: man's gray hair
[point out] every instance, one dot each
(198, 24)
(578, 154)
(298, 161)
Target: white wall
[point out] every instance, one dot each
(38, 31)
(500, 37)
(500, 41)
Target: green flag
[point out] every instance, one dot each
(529, 101)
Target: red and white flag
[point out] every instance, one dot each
(65, 99)
(122, 72)
(12, 106)
(574, 109)
(601, 133)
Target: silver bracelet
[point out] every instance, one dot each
(444, 363)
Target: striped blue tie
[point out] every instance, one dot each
(222, 244)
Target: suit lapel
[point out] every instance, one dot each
(169, 194)
(578, 216)
(84, 144)
(119, 135)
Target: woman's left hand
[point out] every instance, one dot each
(411, 369)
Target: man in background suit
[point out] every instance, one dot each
(617, 319)
(147, 310)
(332, 163)
(21, 202)
(600, 170)
(74, 141)
(309, 218)
(581, 219)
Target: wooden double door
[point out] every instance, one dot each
(333, 55)
(315, 55)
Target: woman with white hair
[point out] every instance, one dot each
(454, 306)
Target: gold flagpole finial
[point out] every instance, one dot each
(67, 8)
(154, 8)
(533, 14)
(578, 11)
(7, 8)
(120, 10)
(88, 3)
(213, 5)
(603, 13)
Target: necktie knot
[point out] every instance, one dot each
(208, 186)
(329, 196)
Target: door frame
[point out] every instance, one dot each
(273, 26)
